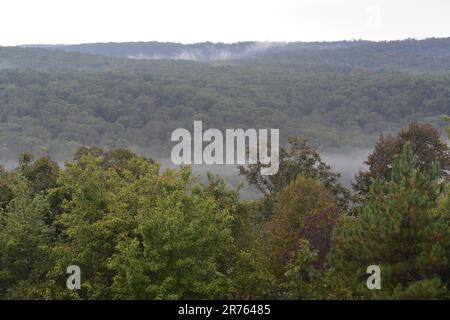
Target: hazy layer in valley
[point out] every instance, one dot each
(348, 164)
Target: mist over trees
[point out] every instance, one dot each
(142, 105)
(419, 56)
(140, 231)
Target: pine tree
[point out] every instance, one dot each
(400, 230)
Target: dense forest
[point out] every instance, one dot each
(88, 128)
(138, 232)
(338, 95)
(430, 55)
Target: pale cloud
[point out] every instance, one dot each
(374, 19)
(80, 21)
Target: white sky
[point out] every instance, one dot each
(188, 21)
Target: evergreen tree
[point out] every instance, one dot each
(399, 230)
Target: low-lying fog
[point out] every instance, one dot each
(348, 164)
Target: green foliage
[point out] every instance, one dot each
(6, 194)
(427, 146)
(141, 103)
(301, 276)
(251, 274)
(140, 232)
(301, 199)
(447, 118)
(24, 238)
(178, 242)
(301, 159)
(396, 230)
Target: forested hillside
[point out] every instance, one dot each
(41, 59)
(139, 230)
(424, 56)
(329, 93)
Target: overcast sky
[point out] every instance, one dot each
(188, 21)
